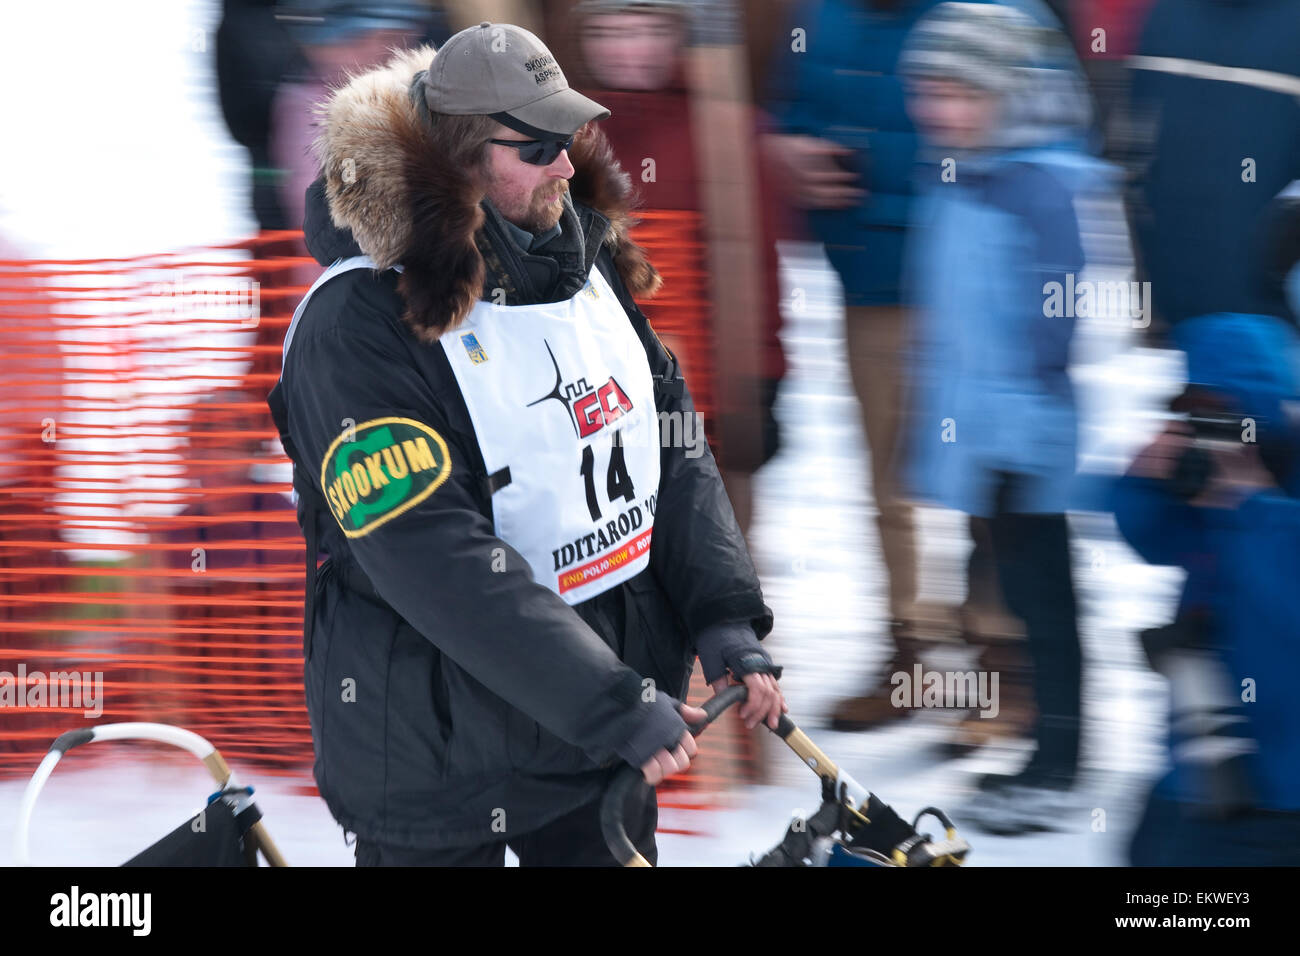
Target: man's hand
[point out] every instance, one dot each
(808, 172)
(765, 702)
(665, 763)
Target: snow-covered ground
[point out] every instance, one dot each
(147, 165)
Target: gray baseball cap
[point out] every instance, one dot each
(503, 71)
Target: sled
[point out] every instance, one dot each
(852, 827)
(227, 832)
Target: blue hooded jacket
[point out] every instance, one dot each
(995, 229)
(1242, 562)
(990, 385)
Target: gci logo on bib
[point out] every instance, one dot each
(566, 404)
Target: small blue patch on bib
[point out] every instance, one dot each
(476, 353)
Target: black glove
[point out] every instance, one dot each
(661, 729)
(732, 647)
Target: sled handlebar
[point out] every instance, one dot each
(628, 778)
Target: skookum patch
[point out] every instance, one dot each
(381, 468)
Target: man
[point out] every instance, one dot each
(843, 146)
(520, 575)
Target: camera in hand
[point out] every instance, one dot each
(1195, 467)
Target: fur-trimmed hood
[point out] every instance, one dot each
(387, 184)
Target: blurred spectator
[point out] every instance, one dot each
(993, 432)
(218, 610)
(336, 38)
(845, 149)
(32, 419)
(1105, 34)
(1216, 94)
(254, 52)
(635, 53)
(264, 45)
(274, 62)
(1216, 494)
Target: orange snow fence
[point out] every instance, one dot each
(150, 560)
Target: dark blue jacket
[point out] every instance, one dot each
(1254, 551)
(844, 87)
(1196, 222)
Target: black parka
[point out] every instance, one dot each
(452, 696)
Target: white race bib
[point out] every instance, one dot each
(561, 394)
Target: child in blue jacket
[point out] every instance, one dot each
(993, 423)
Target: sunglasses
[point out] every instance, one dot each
(537, 152)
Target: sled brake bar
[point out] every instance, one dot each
(851, 795)
(628, 778)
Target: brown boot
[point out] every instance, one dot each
(1016, 710)
(875, 707)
